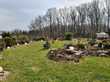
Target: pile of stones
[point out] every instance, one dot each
(72, 53)
(69, 53)
(99, 53)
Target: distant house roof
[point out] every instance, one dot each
(102, 35)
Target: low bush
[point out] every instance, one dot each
(9, 41)
(46, 45)
(92, 42)
(106, 46)
(81, 46)
(23, 39)
(14, 42)
(39, 38)
(100, 45)
(2, 45)
(6, 34)
(68, 36)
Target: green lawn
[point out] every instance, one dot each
(30, 64)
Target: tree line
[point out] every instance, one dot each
(83, 21)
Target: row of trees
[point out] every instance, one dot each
(83, 21)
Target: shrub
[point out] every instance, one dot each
(23, 39)
(68, 36)
(9, 41)
(6, 34)
(46, 45)
(81, 46)
(14, 42)
(38, 39)
(92, 42)
(106, 45)
(2, 45)
(100, 45)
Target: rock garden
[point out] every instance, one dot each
(70, 52)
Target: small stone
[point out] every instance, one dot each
(78, 53)
(18, 44)
(71, 48)
(41, 40)
(31, 41)
(1, 69)
(26, 43)
(8, 47)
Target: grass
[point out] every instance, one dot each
(30, 64)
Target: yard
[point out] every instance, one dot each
(29, 63)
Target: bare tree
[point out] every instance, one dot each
(107, 9)
(85, 20)
(73, 19)
(81, 18)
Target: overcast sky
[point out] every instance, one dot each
(17, 14)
